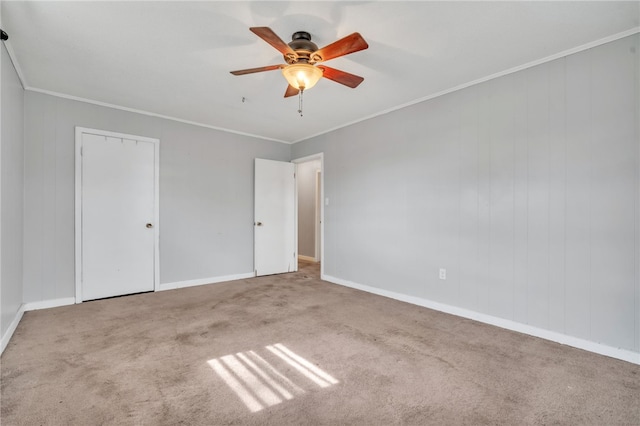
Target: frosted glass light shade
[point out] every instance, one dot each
(302, 76)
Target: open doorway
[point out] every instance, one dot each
(309, 186)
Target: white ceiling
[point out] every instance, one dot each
(173, 58)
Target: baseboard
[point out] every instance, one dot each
(54, 303)
(307, 258)
(203, 281)
(46, 304)
(622, 354)
(12, 328)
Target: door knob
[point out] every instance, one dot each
(149, 225)
(258, 223)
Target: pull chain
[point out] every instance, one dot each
(300, 102)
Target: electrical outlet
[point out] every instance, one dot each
(442, 274)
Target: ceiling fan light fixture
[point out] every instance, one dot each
(302, 76)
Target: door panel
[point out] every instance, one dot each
(274, 227)
(118, 201)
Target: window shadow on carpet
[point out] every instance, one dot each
(264, 381)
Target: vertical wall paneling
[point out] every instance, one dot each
(48, 240)
(577, 304)
(423, 207)
(634, 49)
(206, 194)
(557, 193)
(11, 196)
(3, 327)
(538, 195)
(501, 197)
(520, 199)
(613, 191)
(484, 194)
(64, 223)
(36, 202)
(446, 139)
(525, 188)
(468, 258)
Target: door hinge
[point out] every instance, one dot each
(81, 150)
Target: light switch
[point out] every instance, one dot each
(326, 201)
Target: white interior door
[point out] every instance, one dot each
(118, 213)
(274, 218)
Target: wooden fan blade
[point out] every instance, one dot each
(291, 91)
(342, 77)
(272, 38)
(259, 69)
(344, 46)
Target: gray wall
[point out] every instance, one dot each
(306, 179)
(11, 192)
(206, 194)
(525, 188)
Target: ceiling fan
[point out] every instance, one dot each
(301, 56)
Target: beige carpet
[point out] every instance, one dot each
(293, 350)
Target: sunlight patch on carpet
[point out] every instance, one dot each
(309, 370)
(258, 383)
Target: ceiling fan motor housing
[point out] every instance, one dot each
(303, 46)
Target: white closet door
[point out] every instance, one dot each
(118, 216)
